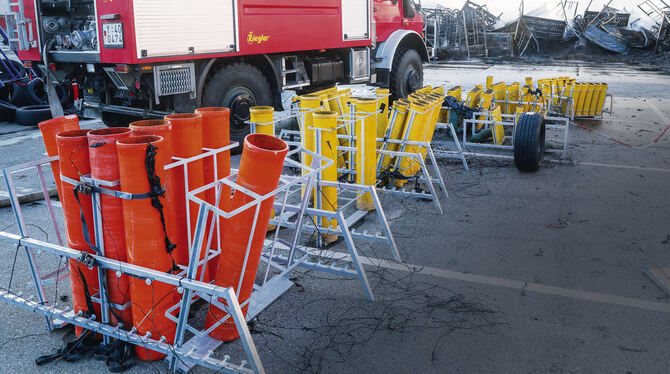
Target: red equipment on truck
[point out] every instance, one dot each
(149, 58)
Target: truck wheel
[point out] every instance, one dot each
(406, 73)
(239, 87)
(529, 142)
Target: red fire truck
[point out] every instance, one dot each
(146, 58)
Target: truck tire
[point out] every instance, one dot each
(406, 73)
(529, 138)
(31, 115)
(7, 111)
(237, 86)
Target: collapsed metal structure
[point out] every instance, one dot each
(473, 31)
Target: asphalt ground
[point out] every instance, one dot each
(524, 273)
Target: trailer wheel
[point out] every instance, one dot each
(529, 139)
(239, 87)
(406, 73)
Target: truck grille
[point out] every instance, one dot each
(174, 79)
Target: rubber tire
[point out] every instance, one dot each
(31, 115)
(529, 142)
(237, 76)
(17, 95)
(7, 111)
(399, 81)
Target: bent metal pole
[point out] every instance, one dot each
(260, 168)
(49, 130)
(105, 167)
(145, 239)
(74, 162)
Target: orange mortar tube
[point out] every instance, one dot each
(215, 134)
(145, 242)
(186, 142)
(260, 168)
(74, 162)
(49, 130)
(163, 129)
(105, 166)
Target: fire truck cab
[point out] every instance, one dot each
(148, 58)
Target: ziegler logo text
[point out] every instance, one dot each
(251, 39)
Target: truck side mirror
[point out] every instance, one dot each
(408, 9)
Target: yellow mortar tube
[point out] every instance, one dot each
(337, 102)
(436, 104)
(498, 130)
(366, 149)
(525, 98)
(473, 97)
(413, 132)
(602, 96)
(489, 82)
(529, 82)
(485, 104)
(591, 88)
(325, 123)
(583, 89)
(382, 113)
(511, 94)
(594, 100)
(396, 130)
(263, 117)
(567, 94)
(456, 92)
(576, 93)
(307, 105)
(425, 90)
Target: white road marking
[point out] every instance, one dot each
(658, 112)
(500, 282)
(624, 167)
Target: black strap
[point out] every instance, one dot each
(461, 109)
(80, 348)
(82, 187)
(157, 191)
(117, 355)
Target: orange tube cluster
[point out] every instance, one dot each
(105, 166)
(144, 242)
(260, 168)
(74, 162)
(215, 134)
(186, 142)
(49, 130)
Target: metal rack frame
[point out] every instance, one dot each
(182, 354)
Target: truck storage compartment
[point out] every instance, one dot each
(323, 70)
(177, 28)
